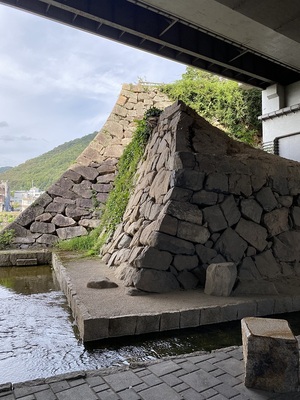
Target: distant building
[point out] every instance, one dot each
(4, 196)
(26, 197)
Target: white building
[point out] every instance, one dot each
(281, 120)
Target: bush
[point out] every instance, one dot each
(222, 102)
(6, 238)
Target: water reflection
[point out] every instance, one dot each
(28, 280)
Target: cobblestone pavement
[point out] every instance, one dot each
(218, 375)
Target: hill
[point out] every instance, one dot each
(3, 169)
(44, 170)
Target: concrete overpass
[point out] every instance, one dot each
(252, 41)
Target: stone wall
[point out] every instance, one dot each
(203, 198)
(71, 206)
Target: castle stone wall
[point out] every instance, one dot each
(70, 207)
(202, 198)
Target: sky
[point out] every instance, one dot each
(58, 83)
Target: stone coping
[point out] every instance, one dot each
(107, 313)
(25, 257)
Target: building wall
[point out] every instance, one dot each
(281, 118)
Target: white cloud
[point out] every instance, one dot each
(58, 83)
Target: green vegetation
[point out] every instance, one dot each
(6, 238)
(47, 168)
(119, 196)
(223, 103)
(7, 218)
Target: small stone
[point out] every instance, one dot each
(101, 283)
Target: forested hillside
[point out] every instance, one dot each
(44, 170)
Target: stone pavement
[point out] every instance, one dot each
(218, 375)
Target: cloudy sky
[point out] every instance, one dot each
(58, 83)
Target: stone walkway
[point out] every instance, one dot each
(218, 375)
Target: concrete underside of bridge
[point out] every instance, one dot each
(251, 41)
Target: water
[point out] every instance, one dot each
(38, 337)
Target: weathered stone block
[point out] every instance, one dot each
(153, 258)
(42, 227)
(266, 199)
(154, 281)
(48, 239)
(205, 254)
(267, 265)
(87, 172)
(240, 184)
(220, 279)
(231, 245)
(271, 355)
(248, 270)
(296, 217)
(183, 159)
(55, 207)
(253, 233)
(184, 211)
(70, 232)
(188, 179)
(160, 184)
(192, 232)
(286, 246)
(251, 210)
(101, 282)
(172, 244)
(72, 175)
(205, 198)
(187, 280)
(62, 221)
(187, 263)
(230, 211)
(76, 212)
(277, 221)
(46, 217)
(29, 215)
(215, 218)
(217, 182)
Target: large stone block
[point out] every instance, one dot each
(172, 244)
(286, 246)
(184, 211)
(231, 245)
(251, 210)
(150, 280)
(277, 221)
(253, 233)
(192, 232)
(271, 355)
(215, 218)
(266, 199)
(267, 265)
(231, 211)
(220, 279)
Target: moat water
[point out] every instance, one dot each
(38, 337)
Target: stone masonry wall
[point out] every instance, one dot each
(69, 208)
(203, 198)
